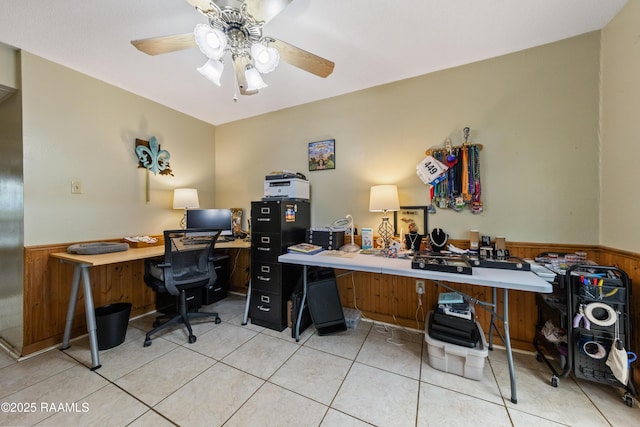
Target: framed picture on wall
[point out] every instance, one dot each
(322, 155)
(408, 215)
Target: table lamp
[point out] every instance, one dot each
(185, 198)
(384, 198)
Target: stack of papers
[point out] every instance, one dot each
(305, 248)
(542, 271)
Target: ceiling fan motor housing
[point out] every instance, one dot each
(240, 27)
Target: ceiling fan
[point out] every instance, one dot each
(235, 26)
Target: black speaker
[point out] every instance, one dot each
(323, 301)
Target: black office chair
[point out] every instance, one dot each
(187, 264)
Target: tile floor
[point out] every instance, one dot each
(251, 376)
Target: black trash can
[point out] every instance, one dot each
(112, 321)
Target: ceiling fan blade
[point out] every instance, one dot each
(165, 44)
(203, 5)
(266, 10)
(240, 65)
(302, 59)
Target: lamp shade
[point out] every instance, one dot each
(211, 41)
(265, 58)
(212, 70)
(185, 198)
(254, 80)
(384, 198)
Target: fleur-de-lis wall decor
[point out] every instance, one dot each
(152, 158)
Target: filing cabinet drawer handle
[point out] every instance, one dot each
(264, 279)
(261, 308)
(264, 219)
(260, 248)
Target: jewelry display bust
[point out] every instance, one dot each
(438, 239)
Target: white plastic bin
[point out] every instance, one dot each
(456, 359)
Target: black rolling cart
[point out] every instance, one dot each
(590, 303)
(601, 326)
(551, 340)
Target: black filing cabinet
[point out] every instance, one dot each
(275, 225)
(197, 297)
(219, 289)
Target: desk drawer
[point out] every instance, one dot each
(266, 217)
(266, 276)
(266, 247)
(267, 309)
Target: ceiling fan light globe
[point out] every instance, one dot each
(212, 71)
(254, 80)
(211, 41)
(265, 58)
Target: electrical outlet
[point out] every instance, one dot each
(420, 287)
(76, 187)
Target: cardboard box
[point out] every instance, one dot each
(367, 238)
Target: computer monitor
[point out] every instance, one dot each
(218, 219)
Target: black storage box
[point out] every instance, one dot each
(453, 330)
(508, 263)
(436, 262)
(330, 240)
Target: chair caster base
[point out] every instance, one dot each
(147, 343)
(192, 339)
(218, 320)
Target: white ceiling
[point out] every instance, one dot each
(372, 42)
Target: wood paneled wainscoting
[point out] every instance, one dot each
(47, 285)
(394, 300)
(390, 299)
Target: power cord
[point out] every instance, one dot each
(418, 309)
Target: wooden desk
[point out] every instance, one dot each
(494, 278)
(82, 264)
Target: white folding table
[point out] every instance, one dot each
(490, 277)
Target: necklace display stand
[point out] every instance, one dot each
(438, 239)
(412, 241)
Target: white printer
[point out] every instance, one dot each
(286, 188)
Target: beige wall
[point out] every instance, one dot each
(620, 151)
(79, 128)
(535, 112)
(9, 67)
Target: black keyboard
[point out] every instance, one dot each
(195, 241)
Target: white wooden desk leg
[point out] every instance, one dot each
(247, 304)
(507, 343)
(71, 310)
(302, 303)
(91, 318)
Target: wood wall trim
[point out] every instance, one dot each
(389, 299)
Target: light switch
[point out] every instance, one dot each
(76, 187)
